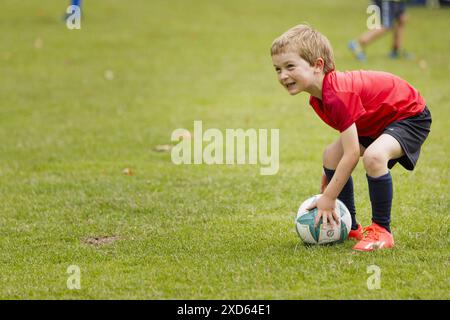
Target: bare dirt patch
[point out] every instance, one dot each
(100, 240)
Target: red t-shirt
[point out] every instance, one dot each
(370, 99)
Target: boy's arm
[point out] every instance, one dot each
(348, 162)
(326, 203)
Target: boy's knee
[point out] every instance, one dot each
(373, 161)
(327, 152)
(402, 20)
(332, 155)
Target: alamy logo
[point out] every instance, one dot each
(374, 20)
(237, 141)
(73, 18)
(374, 281)
(74, 280)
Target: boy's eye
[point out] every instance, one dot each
(290, 66)
(278, 70)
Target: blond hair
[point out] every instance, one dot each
(308, 43)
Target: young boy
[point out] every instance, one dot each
(379, 116)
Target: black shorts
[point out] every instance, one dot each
(410, 133)
(390, 11)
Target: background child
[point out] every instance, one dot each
(393, 18)
(379, 116)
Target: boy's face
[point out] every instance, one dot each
(294, 73)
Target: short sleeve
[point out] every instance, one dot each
(345, 109)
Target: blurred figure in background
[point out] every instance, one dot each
(393, 18)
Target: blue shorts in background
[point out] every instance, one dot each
(390, 11)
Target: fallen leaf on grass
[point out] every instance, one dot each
(162, 148)
(127, 171)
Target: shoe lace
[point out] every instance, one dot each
(370, 233)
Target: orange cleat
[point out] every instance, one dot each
(356, 234)
(375, 237)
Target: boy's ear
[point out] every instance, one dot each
(319, 64)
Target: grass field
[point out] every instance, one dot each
(77, 107)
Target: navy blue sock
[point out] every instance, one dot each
(381, 194)
(346, 196)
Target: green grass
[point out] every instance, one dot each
(196, 232)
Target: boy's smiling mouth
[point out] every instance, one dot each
(289, 85)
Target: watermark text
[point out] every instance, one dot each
(236, 146)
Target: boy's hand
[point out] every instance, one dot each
(325, 210)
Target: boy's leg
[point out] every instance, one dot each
(331, 157)
(368, 37)
(375, 161)
(376, 157)
(334, 152)
(397, 46)
(358, 46)
(401, 143)
(399, 30)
